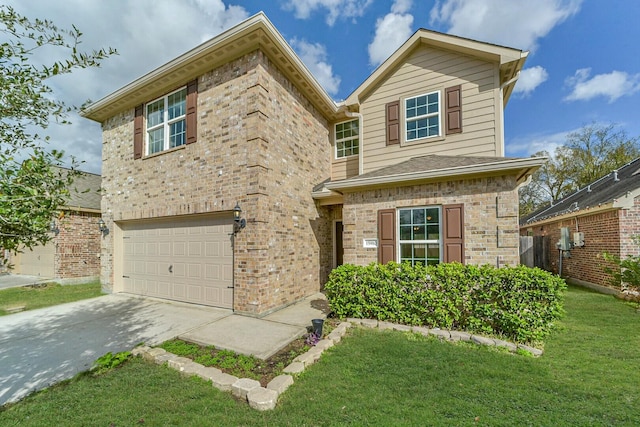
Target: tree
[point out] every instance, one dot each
(31, 188)
(588, 154)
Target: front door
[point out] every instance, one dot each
(338, 249)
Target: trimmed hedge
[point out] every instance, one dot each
(517, 303)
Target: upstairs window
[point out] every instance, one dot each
(422, 116)
(166, 122)
(347, 139)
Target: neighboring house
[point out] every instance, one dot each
(73, 253)
(606, 213)
(409, 168)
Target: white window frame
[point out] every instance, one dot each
(406, 120)
(438, 241)
(166, 122)
(347, 139)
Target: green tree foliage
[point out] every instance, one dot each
(31, 188)
(587, 155)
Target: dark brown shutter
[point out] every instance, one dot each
(192, 111)
(386, 235)
(453, 109)
(393, 122)
(453, 230)
(138, 132)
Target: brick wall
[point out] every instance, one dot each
(261, 144)
(490, 216)
(78, 246)
(608, 231)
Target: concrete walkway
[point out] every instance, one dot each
(42, 347)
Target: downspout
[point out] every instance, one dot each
(360, 144)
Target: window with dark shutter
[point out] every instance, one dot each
(453, 233)
(453, 110)
(192, 111)
(393, 122)
(386, 235)
(138, 132)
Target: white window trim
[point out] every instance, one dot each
(165, 123)
(335, 140)
(403, 116)
(430, 241)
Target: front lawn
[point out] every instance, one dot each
(588, 376)
(45, 295)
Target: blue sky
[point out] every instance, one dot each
(583, 66)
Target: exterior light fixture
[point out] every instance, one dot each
(238, 223)
(53, 227)
(103, 227)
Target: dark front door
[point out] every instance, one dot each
(339, 250)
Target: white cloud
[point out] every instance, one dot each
(314, 56)
(345, 9)
(531, 144)
(146, 33)
(530, 79)
(514, 23)
(391, 31)
(612, 85)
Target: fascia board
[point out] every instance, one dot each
(184, 67)
(485, 168)
(489, 52)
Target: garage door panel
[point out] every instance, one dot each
(195, 249)
(187, 259)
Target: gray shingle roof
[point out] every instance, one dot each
(607, 189)
(85, 192)
(431, 162)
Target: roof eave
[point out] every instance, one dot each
(500, 54)
(520, 166)
(257, 32)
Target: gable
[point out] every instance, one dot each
(472, 127)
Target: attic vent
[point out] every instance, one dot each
(589, 188)
(615, 175)
(636, 172)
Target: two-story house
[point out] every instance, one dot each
(409, 168)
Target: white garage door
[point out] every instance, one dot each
(186, 259)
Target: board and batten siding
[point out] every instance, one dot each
(425, 70)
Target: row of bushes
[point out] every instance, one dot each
(517, 303)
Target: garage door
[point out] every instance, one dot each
(189, 260)
(37, 261)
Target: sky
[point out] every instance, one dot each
(583, 65)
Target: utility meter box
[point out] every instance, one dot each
(564, 244)
(578, 239)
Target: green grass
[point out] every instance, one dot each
(45, 295)
(588, 376)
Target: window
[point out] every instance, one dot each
(347, 139)
(422, 116)
(419, 231)
(166, 122)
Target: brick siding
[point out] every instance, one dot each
(609, 231)
(490, 216)
(261, 144)
(78, 246)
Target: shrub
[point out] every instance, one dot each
(626, 274)
(518, 303)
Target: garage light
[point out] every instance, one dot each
(103, 227)
(238, 223)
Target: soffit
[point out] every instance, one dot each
(255, 33)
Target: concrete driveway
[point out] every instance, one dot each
(42, 347)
